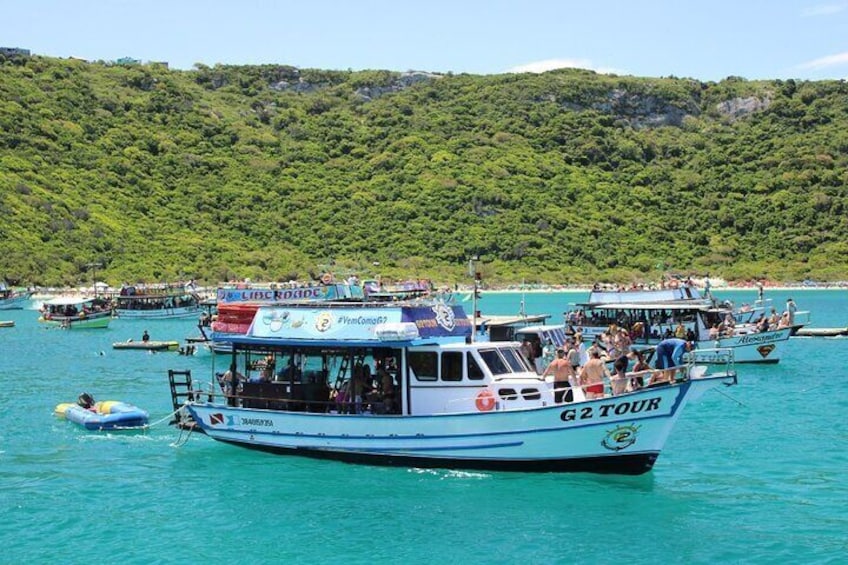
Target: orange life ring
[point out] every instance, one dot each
(485, 400)
(673, 283)
(326, 278)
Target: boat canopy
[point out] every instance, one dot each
(68, 301)
(363, 326)
(647, 296)
(649, 306)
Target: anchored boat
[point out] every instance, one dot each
(403, 384)
(76, 312)
(11, 299)
(160, 301)
(649, 323)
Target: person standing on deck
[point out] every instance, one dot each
(791, 307)
(562, 371)
(592, 376)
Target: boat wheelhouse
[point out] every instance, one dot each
(76, 312)
(403, 384)
(649, 323)
(160, 301)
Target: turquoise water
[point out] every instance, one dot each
(756, 473)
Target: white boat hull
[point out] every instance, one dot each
(764, 347)
(622, 434)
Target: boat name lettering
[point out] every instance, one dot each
(258, 295)
(363, 320)
(746, 339)
(257, 422)
(612, 409)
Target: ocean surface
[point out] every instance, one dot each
(756, 473)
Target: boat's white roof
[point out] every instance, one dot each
(539, 329)
(651, 306)
(68, 300)
(518, 321)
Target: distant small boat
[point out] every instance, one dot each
(11, 299)
(76, 312)
(7, 323)
(156, 302)
(147, 345)
(104, 415)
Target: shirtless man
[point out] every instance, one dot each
(592, 376)
(562, 370)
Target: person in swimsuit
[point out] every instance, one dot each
(562, 371)
(592, 376)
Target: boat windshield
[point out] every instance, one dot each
(503, 361)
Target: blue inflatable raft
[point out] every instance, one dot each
(104, 415)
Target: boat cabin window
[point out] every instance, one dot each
(475, 373)
(424, 364)
(452, 365)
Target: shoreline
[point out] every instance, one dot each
(712, 289)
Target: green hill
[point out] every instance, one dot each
(267, 171)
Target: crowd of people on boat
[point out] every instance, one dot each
(576, 365)
(367, 390)
(50, 311)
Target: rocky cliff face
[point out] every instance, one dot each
(637, 109)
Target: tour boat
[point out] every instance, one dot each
(11, 299)
(649, 323)
(104, 415)
(300, 382)
(76, 312)
(161, 301)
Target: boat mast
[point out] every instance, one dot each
(93, 267)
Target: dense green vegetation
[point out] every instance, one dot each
(268, 171)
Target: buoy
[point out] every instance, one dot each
(485, 400)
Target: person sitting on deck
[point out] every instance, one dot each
(637, 381)
(361, 384)
(618, 380)
(387, 387)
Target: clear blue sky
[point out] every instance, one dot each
(705, 39)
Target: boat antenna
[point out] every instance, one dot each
(475, 275)
(93, 267)
(522, 310)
